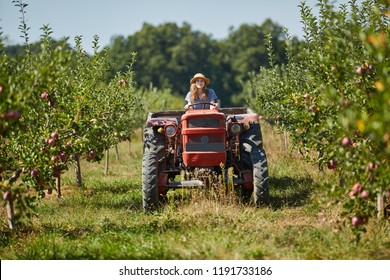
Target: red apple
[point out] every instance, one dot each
(356, 221)
(44, 95)
(370, 166)
(1, 89)
(34, 173)
(91, 155)
(51, 142)
(121, 82)
(332, 164)
(11, 115)
(54, 134)
(54, 158)
(364, 194)
(7, 195)
(62, 156)
(346, 141)
(49, 191)
(357, 188)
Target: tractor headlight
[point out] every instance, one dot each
(235, 128)
(170, 130)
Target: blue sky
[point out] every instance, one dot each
(69, 18)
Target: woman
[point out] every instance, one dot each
(200, 94)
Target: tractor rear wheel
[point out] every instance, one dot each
(254, 157)
(260, 178)
(153, 163)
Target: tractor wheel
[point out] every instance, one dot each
(260, 178)
(254, 157)
(153, 163)
(150, 182)
(244, 191)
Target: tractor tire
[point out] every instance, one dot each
(245, 163)
(150, 182)
(153, 163)
(260, 178)
(254, 157)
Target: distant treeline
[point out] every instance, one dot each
(168, 55)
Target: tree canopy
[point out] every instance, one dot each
(168, 55)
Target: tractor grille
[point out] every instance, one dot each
(203, 139)
(205, 143)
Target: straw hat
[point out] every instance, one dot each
(200, 76)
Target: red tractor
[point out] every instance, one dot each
(207, 139)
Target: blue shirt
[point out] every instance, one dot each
(211, 98)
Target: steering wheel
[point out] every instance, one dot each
(201, 103)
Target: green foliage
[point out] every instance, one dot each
(56, 106)
(169, 55)
(333, 97)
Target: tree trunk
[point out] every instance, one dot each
(10, 202)
(116, 153)
(107, 160)
(58, 185)
(130, 147)
(10, 214)
(78, 171)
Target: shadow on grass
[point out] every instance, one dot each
(291, 192)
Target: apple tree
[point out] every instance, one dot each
(56, 106)
(332, 98)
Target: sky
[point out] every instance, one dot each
(70, 18)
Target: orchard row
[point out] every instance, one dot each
(57, 107)
(333, 99)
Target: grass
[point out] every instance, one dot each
(104, 219)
